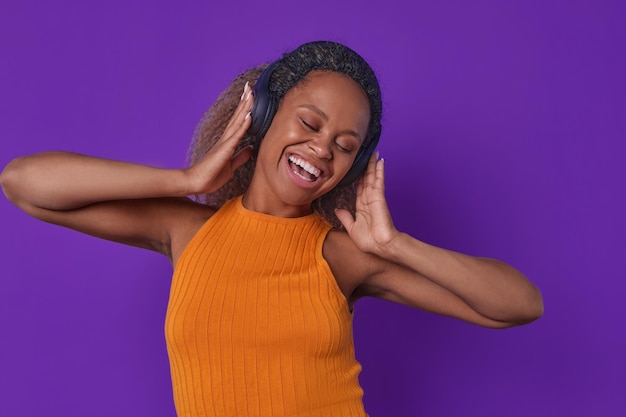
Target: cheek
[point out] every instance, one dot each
(344, 163)
(280, 133)
(272, 147)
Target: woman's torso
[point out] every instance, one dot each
(257, 324)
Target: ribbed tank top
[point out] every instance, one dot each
(256, 324)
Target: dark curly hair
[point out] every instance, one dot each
(292, 70)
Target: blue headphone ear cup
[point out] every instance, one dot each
(265, 105)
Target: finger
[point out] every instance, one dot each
(370, 173)
(345, 218)
(233, 135)
(241, 105)
(240, 119)
(359, 185)
(241, 157)
(380, 174)
(364, 184)
(239, 129)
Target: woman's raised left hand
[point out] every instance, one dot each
(372, 229)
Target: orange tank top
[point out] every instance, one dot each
(256, 324)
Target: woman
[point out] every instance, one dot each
(268, 268)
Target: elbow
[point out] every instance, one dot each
(9, 180)
(525, 303)
(14, 180)
(532, 309)
(535, 306)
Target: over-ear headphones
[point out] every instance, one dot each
(265, 103)
(265, 107)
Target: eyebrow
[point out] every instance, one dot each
(325, 117)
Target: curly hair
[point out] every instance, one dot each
(291, 71)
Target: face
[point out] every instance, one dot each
(313, 139)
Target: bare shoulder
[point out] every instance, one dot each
(165, 225)
(350, 266)
(187, 218)
(171, 223)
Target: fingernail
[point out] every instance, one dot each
(247, 115)
(245, 87)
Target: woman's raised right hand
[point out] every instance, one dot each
(221, 161)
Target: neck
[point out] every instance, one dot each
(266, 202)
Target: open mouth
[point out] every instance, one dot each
(303, 169)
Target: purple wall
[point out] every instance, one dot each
(504, 137)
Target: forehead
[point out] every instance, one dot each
(329, 80)
(332, 92)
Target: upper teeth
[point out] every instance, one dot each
(305, 165)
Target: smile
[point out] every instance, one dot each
(303, 169)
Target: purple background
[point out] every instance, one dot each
(503, 137)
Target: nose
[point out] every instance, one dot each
(322, 147)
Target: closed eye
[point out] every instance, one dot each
(343, 149)
(347, 144)
(309, 126)
(313, 128)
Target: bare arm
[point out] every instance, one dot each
(62, 181)
(120, 201)
(113, 200)
(479, 290)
